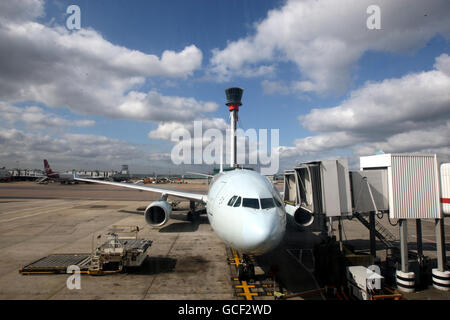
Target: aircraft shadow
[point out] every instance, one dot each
(185, 226)
(290, 274)
(154, 265)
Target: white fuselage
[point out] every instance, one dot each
(241, 213)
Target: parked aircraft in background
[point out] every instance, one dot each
(5, 175)
(57, 176)
(61, 177)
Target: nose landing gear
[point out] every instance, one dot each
(246, 270)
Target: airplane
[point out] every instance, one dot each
(5, 175)
(62, 177)
(243, 207)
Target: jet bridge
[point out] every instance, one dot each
(315, 192)
(404, 186)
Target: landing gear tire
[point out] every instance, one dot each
(241, 273)
(246, 272)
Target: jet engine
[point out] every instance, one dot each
(301, 216)
(158, 213)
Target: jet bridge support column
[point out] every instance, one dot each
(441, 277)
(403, 223)
(405, 279)
(440, 244)
(419, 238)
(373, 243)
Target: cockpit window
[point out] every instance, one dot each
(250, 203)
(267, 203)
(231, 202)
(238, 202)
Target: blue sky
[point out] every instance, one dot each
(311, 69)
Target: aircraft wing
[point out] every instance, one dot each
(181, 194)
(202, 174)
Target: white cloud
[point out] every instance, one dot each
(36, 117)
(324, 39)
(85, 72)
(165, 129)
(435, 139)
(408, 114)
(156, 107)
(81, 70)
(274, 87)
(393, 105)
(21, 10)
(75, 151)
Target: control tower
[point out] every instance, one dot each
(234, 96)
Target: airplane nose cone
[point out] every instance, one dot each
(262, 233)
(256, 235)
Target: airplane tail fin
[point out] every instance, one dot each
(48, 170)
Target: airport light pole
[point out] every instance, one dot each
(234, 96)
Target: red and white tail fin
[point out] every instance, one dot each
(48, 170)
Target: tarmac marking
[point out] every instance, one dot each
(34, 208)
(259, 287)
(247, 293)
(35, 214)
(236, 259)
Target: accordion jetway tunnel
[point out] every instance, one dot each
(401, 186)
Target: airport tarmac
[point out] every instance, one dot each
(186, 261)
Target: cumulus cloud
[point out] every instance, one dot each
(156, 107)
(324, 41)
(165, 129)
(36, 117)
(48, 65)
(85, 72)
(407, 114)
(274, 87)
(75, 150)
(22, 10)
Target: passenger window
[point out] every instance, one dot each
(267, 203)
(238, 202)
(231, 202)
(250, 203)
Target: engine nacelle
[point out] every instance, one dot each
(158, 213)
(302, 217)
